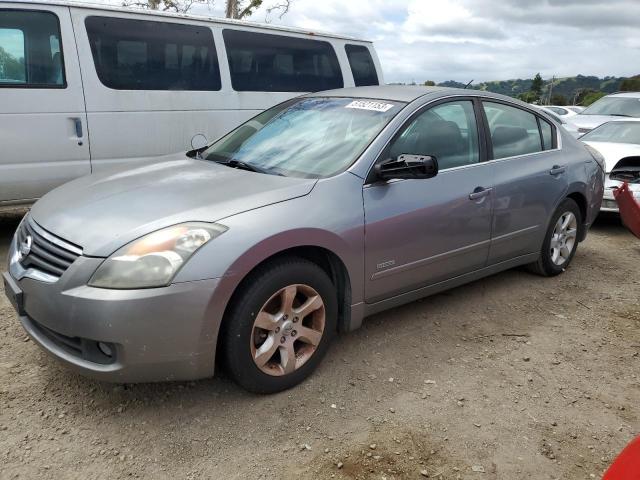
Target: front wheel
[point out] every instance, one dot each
(280, 325)
(561, 241)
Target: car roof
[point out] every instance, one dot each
(187, 16)
(408, 93)
(625, 94)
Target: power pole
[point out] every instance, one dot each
(553, 79)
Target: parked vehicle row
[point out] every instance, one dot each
(619, 143)
(259, 248)
(612, 107)
(87, 88)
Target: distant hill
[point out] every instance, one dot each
(569, 87)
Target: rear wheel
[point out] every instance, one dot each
(561, 241)
(279, 326)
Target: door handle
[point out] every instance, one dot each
(479, 193)
(558, 169)
(77, 123)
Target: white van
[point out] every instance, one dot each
(85, 87)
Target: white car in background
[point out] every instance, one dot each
(558, 110)
(575, 108)
(619, 143)
(611, 107)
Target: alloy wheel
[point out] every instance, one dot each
(563, 238)
(287, 330)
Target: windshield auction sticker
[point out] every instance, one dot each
(370, 105)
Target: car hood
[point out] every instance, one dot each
(590, 121)
(102, 212)
(613, 152)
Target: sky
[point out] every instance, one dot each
(480, 40)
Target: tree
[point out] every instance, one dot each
(240, 9)
(587, 97)
(529, 97)
(429, 83)
(558, 99)
(237, 9)
(536, 85)
(180, 6)
(631, 84)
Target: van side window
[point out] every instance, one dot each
(513, 131)
(261, 62)
(30, 53)
(362, 66)
(148, 55)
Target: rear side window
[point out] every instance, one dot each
(362, 66)
(147, 55)
(30, 50)
(547, 134)
(513, 131)
(261, 62)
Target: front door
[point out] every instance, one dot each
(420, 232)
(44, 130)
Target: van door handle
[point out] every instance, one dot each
(558, 169)
(77, 123)
(479, 193)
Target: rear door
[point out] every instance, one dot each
(530, 178)
(43, 130)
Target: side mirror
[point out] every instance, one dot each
(407, 166)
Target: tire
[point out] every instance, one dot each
(261, 301)
(548, 264)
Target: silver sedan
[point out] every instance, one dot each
(259, 248)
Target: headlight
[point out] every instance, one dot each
(153, 260)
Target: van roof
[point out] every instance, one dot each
(206, 18)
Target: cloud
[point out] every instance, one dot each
(480, 39)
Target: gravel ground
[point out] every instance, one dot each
(511, 377)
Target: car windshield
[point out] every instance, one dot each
(622, 106)
(615, 132)
(308, 137)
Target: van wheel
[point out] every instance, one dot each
(280, 325)
(561, 242)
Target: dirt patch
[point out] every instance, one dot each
(516, 375)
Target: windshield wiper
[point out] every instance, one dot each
(246, 166)
(620, 115)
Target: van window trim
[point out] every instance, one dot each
(41, 86)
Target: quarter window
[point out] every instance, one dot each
(362, 66)
(447, 131)
(513, 131)
(261, 62)
(147, 55)
(30, 53)
(547, 134)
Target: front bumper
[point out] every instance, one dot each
(609, 203)
(155, 334)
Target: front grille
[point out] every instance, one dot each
(84, 348)
(46, 252)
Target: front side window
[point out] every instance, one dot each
(309, 137)
(260, 62)
(148, 55)
(362, 66)
(447, 131)
(30, 53)
(513, 131)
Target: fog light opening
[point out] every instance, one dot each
(105, 349)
